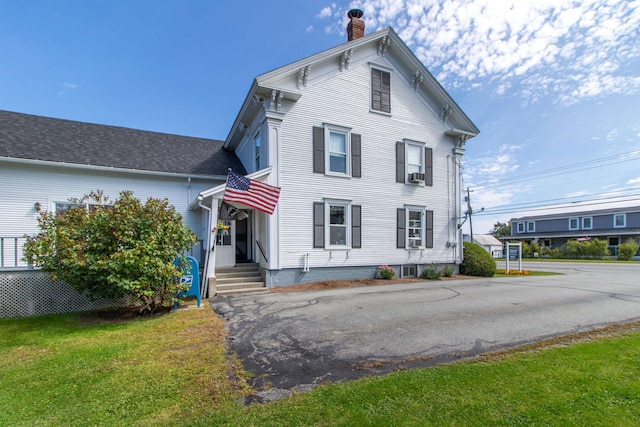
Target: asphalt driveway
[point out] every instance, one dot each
(300, 339)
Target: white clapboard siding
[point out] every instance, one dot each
(24, 185)
(342, 99)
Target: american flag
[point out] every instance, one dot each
(250, 192)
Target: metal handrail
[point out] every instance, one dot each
(262, 251)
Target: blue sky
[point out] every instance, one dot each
(553, 85)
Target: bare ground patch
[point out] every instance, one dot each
(336, 284)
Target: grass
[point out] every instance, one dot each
(514, 272)
(172, 370)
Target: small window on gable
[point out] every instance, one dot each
(587, 223)
(573, 223)
(336, 151)
(619, 220)
(521, 227)
(380, 90)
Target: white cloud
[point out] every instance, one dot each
(309, 29)
(634, 181)
(66, 87)
(569, 50)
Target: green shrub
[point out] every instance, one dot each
(127, 248)
(627, 250)
(477, 261)
(595, 249)
(432, 272)
(448, 270)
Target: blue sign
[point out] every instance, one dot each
(191, 278)
(514, 253)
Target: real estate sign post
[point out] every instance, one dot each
(514, 253)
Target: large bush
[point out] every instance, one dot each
(477, 261)
(627, 250)
(595, 249)
(113, 250)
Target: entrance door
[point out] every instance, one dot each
(244, 246)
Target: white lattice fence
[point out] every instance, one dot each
(31, 293)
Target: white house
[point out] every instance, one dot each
(366, 146)
(363, 141)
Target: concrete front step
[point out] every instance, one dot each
(244, 278)
(238, 279)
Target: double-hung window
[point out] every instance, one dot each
(336, 224)
(619, 220)
(337, 216)
(521, 227)
(414, 228)
(380, 90)
(336, 151)
(587, 223)
(531, 226)
(414, 163)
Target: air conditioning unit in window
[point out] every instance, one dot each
(416, 177)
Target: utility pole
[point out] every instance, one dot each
(469, 212)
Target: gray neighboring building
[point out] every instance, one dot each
(614, 225)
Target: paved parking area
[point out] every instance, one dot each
(301, 339)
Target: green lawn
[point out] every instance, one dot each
(172, 370)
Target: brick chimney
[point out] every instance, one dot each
(355, 27)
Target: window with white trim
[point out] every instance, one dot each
(337, 224)
(573, 223)
(380, 90)
(619, 220)
(415, 158)
(65, 206)
(414, 163)
(415, 228)
(587, 223)
(337, 217)
(336, 151)
(520, 227)
(531, 226)
(337, 154)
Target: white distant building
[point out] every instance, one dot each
(488, 242)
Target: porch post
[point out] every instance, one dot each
(211, 259)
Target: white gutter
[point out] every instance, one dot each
(108, 168)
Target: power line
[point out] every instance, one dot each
(563, 170)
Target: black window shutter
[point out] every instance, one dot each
(318, 225)
(356, 157)
(401, 229)
(356, 226)
(400, 170)
(318, 149)
(429, 229)
(428, 166)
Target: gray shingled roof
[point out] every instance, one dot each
(25, 136)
